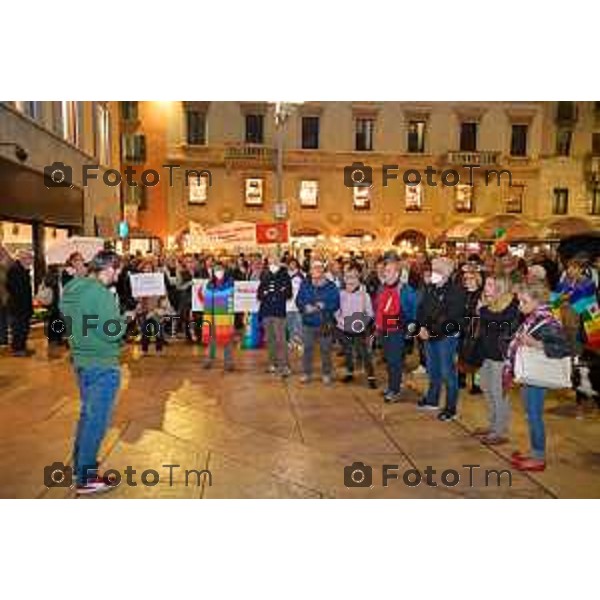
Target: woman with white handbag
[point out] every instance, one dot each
(539, 359)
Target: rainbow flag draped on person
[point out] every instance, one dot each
(582, 298)
(218, 312)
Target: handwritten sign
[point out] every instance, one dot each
(244, 297)
(147, 284)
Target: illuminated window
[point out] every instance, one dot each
(362, 198)
(514, 199)
(413, 199)
(309, 194)
(463, 198)
(103, 137)
(364, 134)
(560, 204)
(198, 187)
(416, 136)
(254, 192)
(71, 121)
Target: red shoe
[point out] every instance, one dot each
(531, 464)
(517, 457)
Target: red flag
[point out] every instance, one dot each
(272, 233)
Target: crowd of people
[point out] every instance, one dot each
(461, 321)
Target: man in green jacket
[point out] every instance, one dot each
(91, 312)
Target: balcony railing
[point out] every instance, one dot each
(484, 157)
(249, 152)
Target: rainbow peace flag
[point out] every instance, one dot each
(218, 314)
(583, 300)
(253, 337)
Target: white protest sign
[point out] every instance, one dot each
(147, 284)
(198, 287)
(244, 296)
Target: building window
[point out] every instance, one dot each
(560, 205)
(513, 202)
(309, 194)
(195, 127)
(595, 207)
(518, 140)
(463, 201)
(198, 189)
(413, 197)
(364, 134)
(254, 129)
(129, 110)
(254, 192)
(71, 121)
(468, 137)
(135, 196)
(563, 142)
(310, 133)
(416, 136)
(103, 134)
(31, 108)
(361, 198)
(596, 144)
(133, 147)
(565, 111)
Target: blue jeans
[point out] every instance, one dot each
(98, 387)
(534, 406)
(393, 352)
(441, 368)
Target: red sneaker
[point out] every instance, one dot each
(531, 464)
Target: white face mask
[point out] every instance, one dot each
(219, 274)
(436, 278)
(273, 268)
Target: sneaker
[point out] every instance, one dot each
(285, 372)
(386, 391)
(391, 397)
(446, 415)
(93, 486)
(348, 378)
(272, 369)
(304, 378)
(422, 404)
(420, 370)
(372, 383)
(327, 380)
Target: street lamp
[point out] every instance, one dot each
(283, 111)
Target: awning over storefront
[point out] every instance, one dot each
(462, 231)
(24, 197)
(480, 229)
(561, 228)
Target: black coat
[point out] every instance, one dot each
(273, 293)
(20, 295)
(439, 305)
(497, 328)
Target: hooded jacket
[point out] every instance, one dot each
(96, 326)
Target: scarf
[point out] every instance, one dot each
(581, 296)
(541, 313)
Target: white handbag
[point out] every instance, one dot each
(533, 367)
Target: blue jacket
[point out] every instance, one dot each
(327, 293)
(408, 301)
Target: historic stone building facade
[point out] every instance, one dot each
(551, 150)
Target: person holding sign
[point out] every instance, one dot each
(150, 312)
(274, 290)
(218, 325)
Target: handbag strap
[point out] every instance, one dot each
(539, 325)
